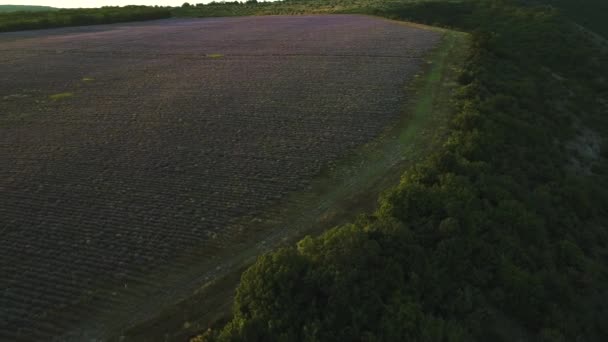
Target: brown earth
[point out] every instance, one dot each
(123, 147)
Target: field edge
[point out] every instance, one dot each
(422, 128)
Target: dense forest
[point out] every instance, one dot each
(499, 236)
(588, 13)
(27, 20)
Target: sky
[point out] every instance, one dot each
(97, 3)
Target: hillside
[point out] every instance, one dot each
(500, 235)
(495, 227)
(588, 13)
(17, 8)
(184, 167)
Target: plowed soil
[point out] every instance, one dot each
(124, 146)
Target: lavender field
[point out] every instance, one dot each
(124, 146)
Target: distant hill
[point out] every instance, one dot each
(16, 8)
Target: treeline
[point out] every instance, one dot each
(589, 13)
(501, 235)
(17, 8)
(24, 20)
(285, 7)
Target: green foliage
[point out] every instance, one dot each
(18, 8)
(492, 238)
(77, 17)
(589, 13)
(61, 96)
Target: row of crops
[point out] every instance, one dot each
(125, 149)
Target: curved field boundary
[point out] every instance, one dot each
(134, 166)
(351, 186)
